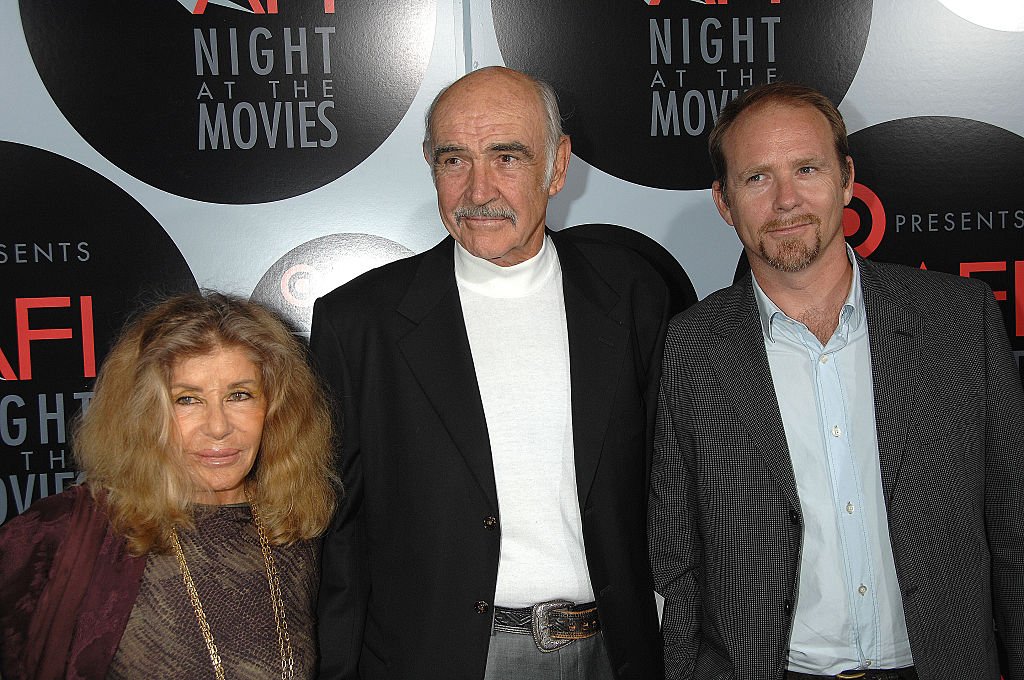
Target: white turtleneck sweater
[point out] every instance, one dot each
(515, 318)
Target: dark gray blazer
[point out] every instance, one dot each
(410, 565)
(726, 523)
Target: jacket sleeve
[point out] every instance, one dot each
(676, 550)
(344, 575)
(1004, 489)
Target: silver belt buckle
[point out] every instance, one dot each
(542, 629)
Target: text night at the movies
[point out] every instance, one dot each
(43, 471)
(289, 111)
(674, 45)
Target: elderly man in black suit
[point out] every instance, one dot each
(837, 485)
(496, 395)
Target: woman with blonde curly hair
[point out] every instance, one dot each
(191, 550)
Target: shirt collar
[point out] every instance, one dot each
(492, 280)
(853, 311)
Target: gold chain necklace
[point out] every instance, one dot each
(284, 643)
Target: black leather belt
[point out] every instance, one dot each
(866, 674)
(553, 624)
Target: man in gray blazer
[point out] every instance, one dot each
(837, 484)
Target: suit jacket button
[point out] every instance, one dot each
(490, 522)
(794, 516)
(787, 604)
(481, 607)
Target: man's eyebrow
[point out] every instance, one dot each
(816, 161)
(518, 147)
(752, 170)
(448, 148)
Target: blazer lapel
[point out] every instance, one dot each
(438, 353)
(895, 355)
(598, 340)
(742, 367)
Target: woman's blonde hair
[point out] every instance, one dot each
(127, 440)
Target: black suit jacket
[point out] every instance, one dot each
(726, 523)
(410, 564)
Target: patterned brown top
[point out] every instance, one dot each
(162, 639)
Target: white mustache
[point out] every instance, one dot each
(485, 212)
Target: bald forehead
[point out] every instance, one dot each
(776, 114)
(494, 78)
(499, 88)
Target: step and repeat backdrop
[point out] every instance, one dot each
(271, 149)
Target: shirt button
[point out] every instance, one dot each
(482, 607)
(823, 358)
(863, 589)
(836, 431)
(490, 522)
(850, 508)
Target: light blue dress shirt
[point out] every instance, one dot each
(849, 613)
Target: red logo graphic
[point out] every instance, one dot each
(256, 8)
(27, 335)
(315, 268)
(852, 222)
(968, 268)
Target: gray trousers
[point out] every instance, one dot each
(515, 657)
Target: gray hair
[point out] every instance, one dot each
(553, 132)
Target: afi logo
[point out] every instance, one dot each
(27, 334)
(255, 7)
(1010, 269)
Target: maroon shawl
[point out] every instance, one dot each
(67, 587)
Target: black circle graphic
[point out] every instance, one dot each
(232, 106)
(641, 84)
(311, 269)
(77, 257)
(951, 192)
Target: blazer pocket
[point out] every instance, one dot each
(711, 664)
